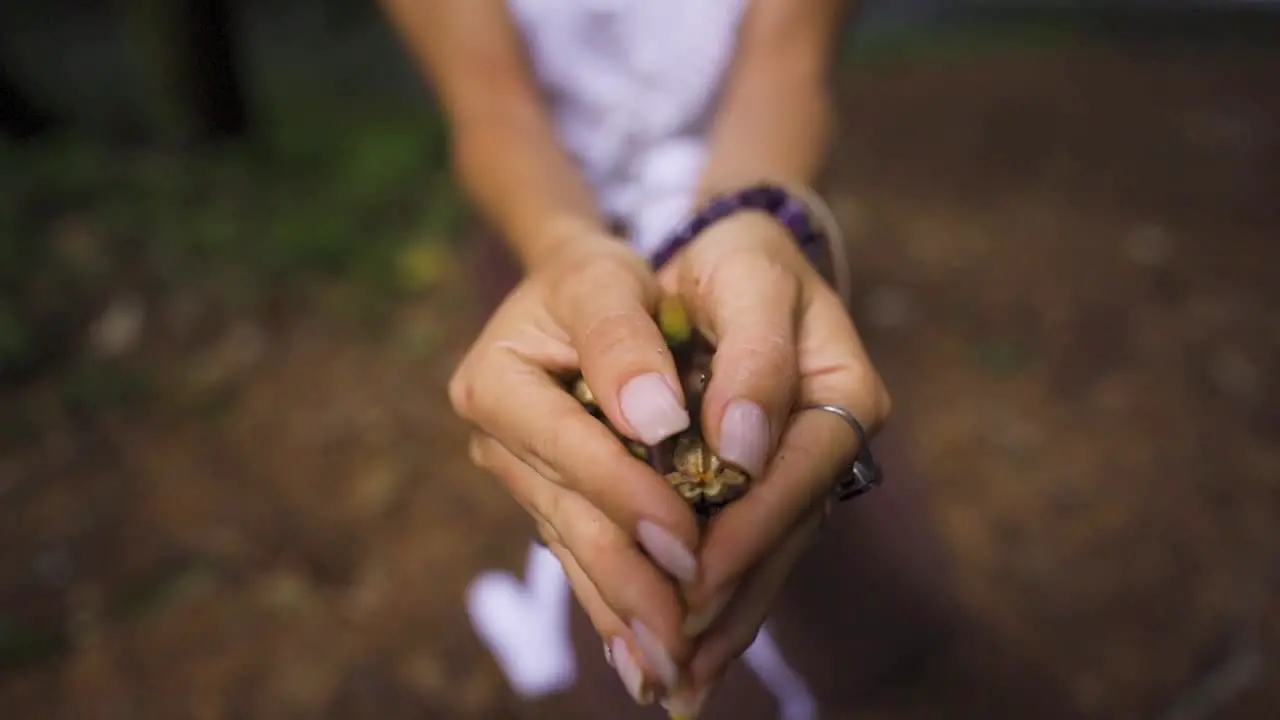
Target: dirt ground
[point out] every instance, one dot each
(1070, 268)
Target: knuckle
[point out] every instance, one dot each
(862, 390)
(461, 391)
(764, 361)
(550, 536)
(764, 272)
(548, 444)
(766, 354)
(876, 399)
(616, 333)
(543, 469)
(551, 507)
(476, 451)
(738, 643)
(759, 326)
(884, 402)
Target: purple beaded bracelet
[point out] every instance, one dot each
(784, 207)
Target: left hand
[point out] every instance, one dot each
(784, 341)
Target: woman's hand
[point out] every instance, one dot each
(784, 341)
(624, 538)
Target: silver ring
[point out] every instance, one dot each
(864, 474)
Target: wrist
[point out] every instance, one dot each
(790, 213)
(751, 230)
(562, 237)
(787, 210)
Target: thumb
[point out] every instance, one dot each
(750, 306)
(606, 311)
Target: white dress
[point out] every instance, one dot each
(633, 86)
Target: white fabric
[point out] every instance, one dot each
(632, 84)
(764, 657)
(525, 624)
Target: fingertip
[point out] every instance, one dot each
(748, 400)
(628, 365)
(629, 671)
(709, 665)
(746, 436)
(672, 554)
(651, 404)
(687, 703)
(704, 614)
(656, 655)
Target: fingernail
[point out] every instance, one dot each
(651, 406)
(670, 554)
(744, 436)
(685, 706)
(608, 656)
(655, 655)
(630, 672)
(698, 622)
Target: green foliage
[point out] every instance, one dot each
(98, 385)
(946, 41)
(22, 646)
(14, 340)
(1003, 357)
(322, 198)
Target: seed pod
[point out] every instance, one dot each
(674, 321)
(704, 480)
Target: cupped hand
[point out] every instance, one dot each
(784, 341)
(624, 538)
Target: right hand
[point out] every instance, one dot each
(625, 539)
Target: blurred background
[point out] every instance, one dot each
(233, 281)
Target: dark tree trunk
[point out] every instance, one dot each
(212, 86)
(20, 117)
(193, 55)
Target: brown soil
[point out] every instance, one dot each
(1070, 260)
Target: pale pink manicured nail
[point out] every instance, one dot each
(686, 706)
(744, 436)
(630, 672)
(656, 655)
(697, 623)
(670, 554)
(608, 655)
(651, 406)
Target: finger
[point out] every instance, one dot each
(813, 449)
(617, 638)
(834, 363)
(816, 447)
(750, 303)
(618, 645)
(628, 583)
(529, 413)
(741, 621)
(602, 617)
(624, 357)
